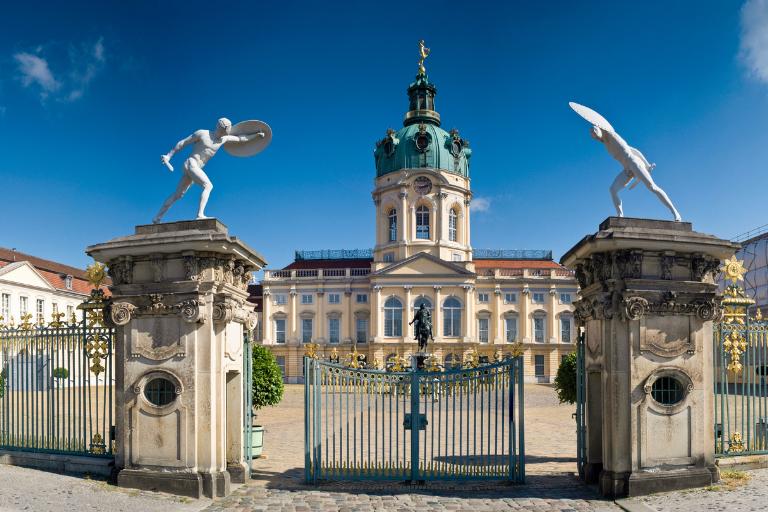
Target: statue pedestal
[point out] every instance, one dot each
(418, 361)
(179, 307)
(648, 299)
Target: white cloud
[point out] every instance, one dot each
(754, 38)
(76, 70)
(480, 204)
(35, 70)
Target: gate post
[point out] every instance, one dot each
(179, 307)
(415, 421)
(648, 298)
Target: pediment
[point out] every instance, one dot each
(24, 274)
(424, 264)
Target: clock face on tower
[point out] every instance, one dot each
(422, 185)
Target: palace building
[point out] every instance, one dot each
(485, 304)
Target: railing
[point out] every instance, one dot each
(326, 273)
(511, 254)
(335, 254)
(56, 392)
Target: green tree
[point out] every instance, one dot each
(267, 381)
(565, 381)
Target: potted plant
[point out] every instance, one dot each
(565, 381)
(267, 389)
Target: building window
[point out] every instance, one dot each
(306, 330)
(334, 298)
(483, 297)
(510, 298)
(279, 330)
(422, 223)
(510, 326)
(452, 217)
(565, 329)
(68, 282)
(452, 361)
(392, 225)
(362, 298)
(70, 311)
(393, 317)
(306, 298)
(40, 310)
(23, 306)
(54, 307)
(422, 300)
(361, 330)
(5, 307)
(456, 256)
(482, 330)
(333, 330)
(451, 317)
(281, 364)
(538, 329)
(565, 298)
(281, 299)
(538, 362)
(389, 257)
(538, 297)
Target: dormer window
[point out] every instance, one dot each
(68, 282)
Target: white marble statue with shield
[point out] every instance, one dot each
(244, 139)
(635, 165)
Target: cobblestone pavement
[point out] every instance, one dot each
(749, 497)
(40, 491)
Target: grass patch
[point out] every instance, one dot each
(730, 480)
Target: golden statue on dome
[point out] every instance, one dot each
(424, 52)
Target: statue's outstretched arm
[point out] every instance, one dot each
(242, 138)
(181, 144)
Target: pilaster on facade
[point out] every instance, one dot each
(496, 334)
(437, 317)
(294, 329)
(348, 335)
(552, 316)
(376, 316)
(525, 325)
(407, 314)
(469, 309)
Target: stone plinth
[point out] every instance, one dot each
(179, 307)
(648, 299)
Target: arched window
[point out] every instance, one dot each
(539, 327)
(451, 317)
(392, 225)
(452, 361)
(422, 300)
(393, 317)
(452, 220)
(422, 223)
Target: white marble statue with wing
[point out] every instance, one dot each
(635, 165)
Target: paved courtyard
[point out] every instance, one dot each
(278, 480)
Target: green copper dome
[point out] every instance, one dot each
(421, 142)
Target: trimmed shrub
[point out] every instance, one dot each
(267, 382)
(565, 382)
(60, 373)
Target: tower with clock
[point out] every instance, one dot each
(422, 192)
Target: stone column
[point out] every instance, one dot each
(293, 327)
(648, 300)
(497, 333)
(179, 306)
(437, 316)
(469, 308)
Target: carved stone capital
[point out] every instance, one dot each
(251, 320)
(120, 312)
(190, 311)
(634, 308)
(222, 312)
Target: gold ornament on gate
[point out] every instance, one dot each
(310, 350)
(96, 273)
(97, 350)
(733, 270)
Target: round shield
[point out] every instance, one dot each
(591, 116)
(253, 146)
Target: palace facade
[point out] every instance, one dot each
(484, 303)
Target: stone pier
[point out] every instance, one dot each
(648, 300)
(179, 307)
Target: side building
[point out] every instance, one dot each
(754, 253)
(38, 287)
(484, 303)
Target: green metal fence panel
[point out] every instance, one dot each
(458, 424)
(56, 383)
(247, 401)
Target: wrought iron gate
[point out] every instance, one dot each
(247, 400)
(740, 371)
(581, 388)
(56, 382)
(458, 424)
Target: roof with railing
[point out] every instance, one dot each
(753, 235)
(511, 254)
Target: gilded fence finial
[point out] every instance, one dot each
(56, 320)
(25, 324)
(310, 350)
(96, 274)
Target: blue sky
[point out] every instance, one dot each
(90, 96)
